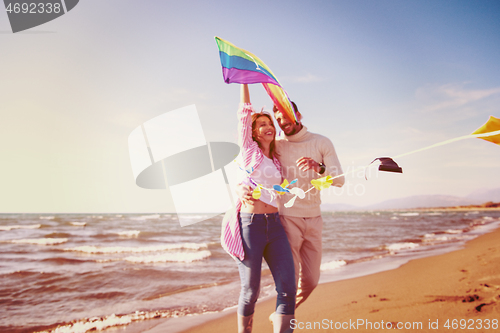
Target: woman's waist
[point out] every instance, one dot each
(270, 216)
(258, 207)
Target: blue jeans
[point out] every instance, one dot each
(264, 236)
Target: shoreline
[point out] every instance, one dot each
(488, 206)
(454, 208)
(432, 287)
(423, 209)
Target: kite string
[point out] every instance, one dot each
(442, 143)
(436, 145)
(479, 135)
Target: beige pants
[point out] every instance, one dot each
(304, 235)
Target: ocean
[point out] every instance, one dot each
(80, 272)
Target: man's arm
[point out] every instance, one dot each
(330, 165)
(307, 163)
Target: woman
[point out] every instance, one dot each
(262, 234)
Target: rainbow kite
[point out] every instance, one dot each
(240, 66)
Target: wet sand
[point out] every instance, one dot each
(460, 289)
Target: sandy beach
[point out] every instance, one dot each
(455, 291)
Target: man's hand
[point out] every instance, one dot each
(307, 163)
(244, 192)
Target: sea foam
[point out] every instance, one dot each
(98, 324)
(131, 233)
(40, 241)
(145, 217)
(401, 246)
(409, 214)
(12, 227)
(185, 257)
(90, 249)
(333, 265)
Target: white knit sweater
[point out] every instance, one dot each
(306, 144)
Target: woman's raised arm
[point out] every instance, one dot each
(245, 94)
(245, 119)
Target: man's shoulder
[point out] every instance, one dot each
(319, 137)
(281, 139)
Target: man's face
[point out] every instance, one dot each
(288, 127)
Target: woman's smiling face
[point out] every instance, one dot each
(263, 130)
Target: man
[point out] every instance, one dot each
(304, 156)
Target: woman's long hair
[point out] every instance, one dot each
(272, 146)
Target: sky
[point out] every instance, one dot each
(379, 78)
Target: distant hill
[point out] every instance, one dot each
(424, 201)
(485, 195)
(326, 207)
(421, 201)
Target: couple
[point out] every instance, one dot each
(289, 241)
